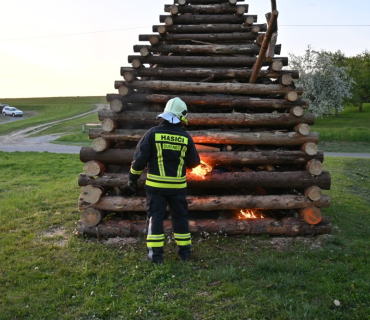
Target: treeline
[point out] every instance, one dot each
(332, 80)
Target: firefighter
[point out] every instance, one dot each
(167, 150)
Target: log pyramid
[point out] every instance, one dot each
(245, 116)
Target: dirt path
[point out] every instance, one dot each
(20, 137)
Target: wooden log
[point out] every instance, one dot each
(139, 61)
(211, 119)
(207, 9)
(286, 79)
(250, 179)
(129, 76)
(226, 101)
(100, 144)
(296, 111)
(219, 137)
(290, 227)
(249, 21)
(205, 19)
(109, 125)
(117, 105)
(277, 65)
(214, 159)
(291, 96)
(313, 193)
(302, 128)
(314, 167)
(210, 203)
(207, 28)
(310, 148)
(311, 215)
(91, 217)
(202, 87)
(184, 2)
(124, 90)
(219, 73)
(91, 194)
(144, 52)
(261, 56)
(94, 168)
(206, 37)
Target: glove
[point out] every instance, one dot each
(131, 188)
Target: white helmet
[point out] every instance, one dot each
(175, 111)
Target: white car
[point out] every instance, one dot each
(11, 111)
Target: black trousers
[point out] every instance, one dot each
(156, 212)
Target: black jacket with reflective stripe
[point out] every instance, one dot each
(167, 150)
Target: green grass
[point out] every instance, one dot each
(49, 272)
(42, 110)
(351, 126)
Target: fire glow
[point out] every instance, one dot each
(249, 214)
(202, 169)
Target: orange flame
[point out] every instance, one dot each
(202, 169)
(249, 214)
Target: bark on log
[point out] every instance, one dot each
(290, 227)
(211, 203)
(202, 87)
(211, 119)
(208, 9)
(219, 73)
(206, 37)
(205, 19)
(207, 28)
(94, 168)
(199, 61)
(263, 179)
(311, 215)
(219, 137)
(226, 101)
(221, 159)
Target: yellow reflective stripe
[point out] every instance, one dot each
(160, 159)
(155, 244)
(155, 237)
(136, 172)
(179, 170)
(166, 179)
(179, 235)
(165, 185)
(164, 137)
(183, 242)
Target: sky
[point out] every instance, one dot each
(76, 47)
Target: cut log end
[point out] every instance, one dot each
(123, 91)
(174, 10)
(168, 21)
(302, 128)
(313, 193)
(240, 11)
(109, 125)
(310, 148)
(286, 79)
(249, 21)
(100, 144)
(94, 168)
(136, 63)
(291, 96)
(117, 106)
(128, 76)
(311, 215)
(276, 65)
(161, 30)
(296, 111)
(91, 194)
(144, 52)
(91, 217)
(314, 167)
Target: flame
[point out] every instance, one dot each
(202, 169)
(249, 214)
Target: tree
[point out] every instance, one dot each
(325, 84)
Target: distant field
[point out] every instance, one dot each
(43, 110)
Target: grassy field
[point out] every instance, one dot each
(43, 110)
(47, 271)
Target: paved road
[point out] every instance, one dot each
(56, 148)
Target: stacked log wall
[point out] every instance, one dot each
(245, 116)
